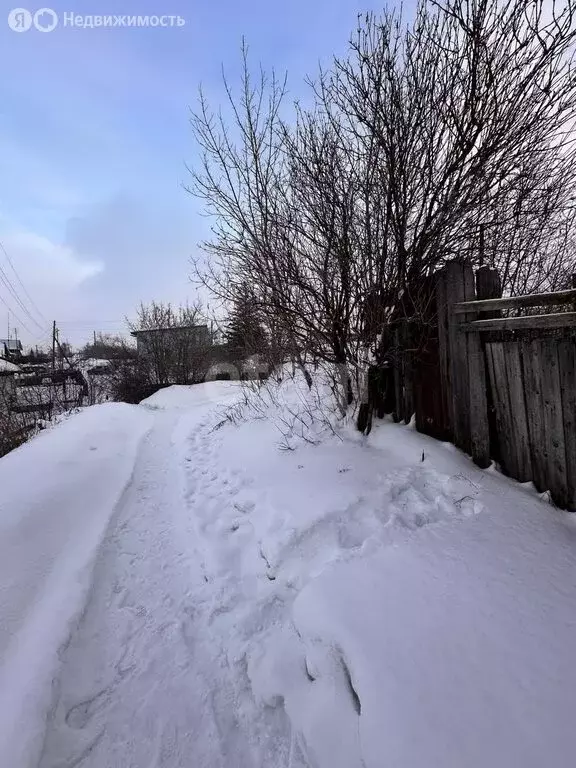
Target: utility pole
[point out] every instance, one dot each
(53, 369)
(53, 347)
(94, 338)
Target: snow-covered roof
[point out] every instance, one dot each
(7, 367)
(171, 329)
(94, 362)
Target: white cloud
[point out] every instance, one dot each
(46, 264)
(52, 275)
(110, 258)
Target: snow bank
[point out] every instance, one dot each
(299, 414)
(417, 611)
(57, 495)
(7, 367)
(449, 643)
(183, 397)
(454, 649)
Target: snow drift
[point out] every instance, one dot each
(57, 495)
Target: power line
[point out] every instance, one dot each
(8, 284)
(20, 322)
(91, 322)
(32, 302)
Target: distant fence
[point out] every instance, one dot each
(498, 385)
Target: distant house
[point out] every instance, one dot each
(10, 349)
(175, 355)
(191, 335)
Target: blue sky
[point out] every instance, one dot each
(94, 137)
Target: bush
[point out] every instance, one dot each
(131, 382)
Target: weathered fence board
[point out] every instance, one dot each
(426, 363)
(407, 372)
(499, 383)
(445, 393)
(532, 370)
(398, 377)
(479, 432)
(553, 423)
(456, 284)
(488, 289)
(517, 302)
(544, 322)
(518, 414)
(489, 286)
(567, 363)
(478, 404)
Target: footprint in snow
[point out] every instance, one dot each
(80, 714)
(244, 506)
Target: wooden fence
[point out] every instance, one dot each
(499, 384)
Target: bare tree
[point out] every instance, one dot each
(472, 107)
(448, 135)
(108, 347)
(173, 341)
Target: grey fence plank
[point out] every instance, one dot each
(478, 437)
(458, 357)
(398, 378)
(499, 382)
(567, 362)
(546, 322)
(443, 350)
(532, 367)
(479, 429)
(516, 302)
(554, 427)
(519, 417)
(409, 400)
(493, 393)
(407, 373)
(487, 286)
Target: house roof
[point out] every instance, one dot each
(14, 345)
(172, 329)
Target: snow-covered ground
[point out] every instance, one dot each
(185, 586)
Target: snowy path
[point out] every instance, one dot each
(143, 683)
